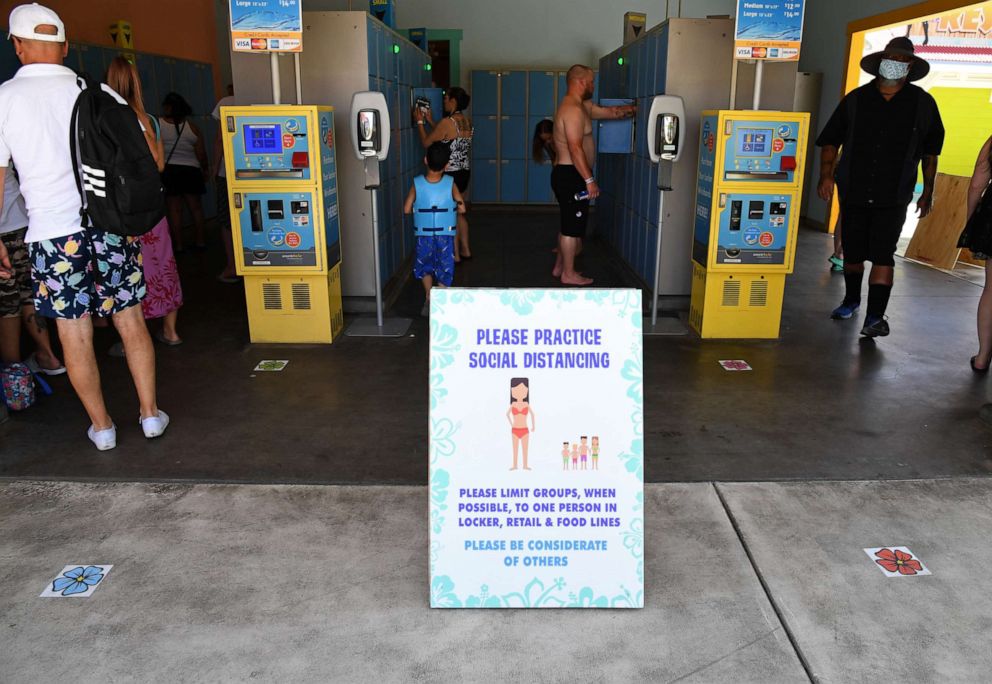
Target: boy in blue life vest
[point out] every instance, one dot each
(435, 203)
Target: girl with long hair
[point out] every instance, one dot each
(164, 295)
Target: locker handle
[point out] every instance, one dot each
(504, 161)
(506, 118)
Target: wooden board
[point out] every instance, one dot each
(936, 238)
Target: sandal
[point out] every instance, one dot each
(160, 336)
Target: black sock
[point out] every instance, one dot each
(853, 283)
(878, 298)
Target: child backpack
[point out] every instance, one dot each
(18, 386)
(118, 181)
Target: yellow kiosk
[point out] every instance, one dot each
(747, 216)
(282, 187)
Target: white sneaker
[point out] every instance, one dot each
(155, 426)
(103, 440)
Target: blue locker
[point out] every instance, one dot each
(650, 260)
(163, 75)
(374, 36)
(653, 193)
(541, 94)
(562, 88)
(91, 61)
(646, 84)
(513, 93)
(484, 140)
(539, 182)
(484, 180)
(9, 64)
(435, 95)
(616, 136)
(485, 94)
(512, 181)
(513, 137)
(72, 59)
(661, 61)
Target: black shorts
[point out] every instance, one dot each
(871, 234)
(183, 180)
(461, 177)
(566, 181)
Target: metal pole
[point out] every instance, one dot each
(276, 84)
(657, 259)
(299, 80)
(759, 74)
(375, 256)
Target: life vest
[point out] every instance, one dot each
(434, 211)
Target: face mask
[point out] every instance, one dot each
(891, 70)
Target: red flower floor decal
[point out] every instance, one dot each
(897, 561)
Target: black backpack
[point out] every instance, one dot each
(116, 175)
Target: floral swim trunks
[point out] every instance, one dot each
(87, 273)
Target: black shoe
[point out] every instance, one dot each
(875, 326)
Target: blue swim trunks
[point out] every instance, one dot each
(87, 273)
(435, 257)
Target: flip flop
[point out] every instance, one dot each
(33, 364)
(166, 341)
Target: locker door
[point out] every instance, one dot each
(484, 179)
(91, 61)
(539, 182)
(9, 64)
(374, 37)
(512, 185)
(163, 76)
(485, 93)
(72, 59)
(513, 137)
(661, 61)
(513, 93)
(650, 52)
(562, 87)
(541, 94)
(484, 140)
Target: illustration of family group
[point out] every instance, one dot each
(579, 453)
(523, 423)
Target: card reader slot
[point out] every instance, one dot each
(273, 173)
(749, 175)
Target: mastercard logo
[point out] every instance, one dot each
(259, 43)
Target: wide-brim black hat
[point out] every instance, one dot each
(897, 46)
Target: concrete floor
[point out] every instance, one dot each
(745, 580)
(820, 403)
(314, 584)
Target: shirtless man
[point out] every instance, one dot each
(573, 169)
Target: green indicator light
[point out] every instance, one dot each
(396, 49)
(428, 67)
(620, 61)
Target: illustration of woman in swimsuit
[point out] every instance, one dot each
(517, 414)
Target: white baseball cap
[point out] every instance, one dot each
(25, 19)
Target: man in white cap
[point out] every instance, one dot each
(77, 273)
(885, 129)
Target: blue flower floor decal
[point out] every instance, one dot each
(76, 580)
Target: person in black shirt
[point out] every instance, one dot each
(883, 130)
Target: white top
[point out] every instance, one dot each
(185, 153)
(14, 215)
(226, 101)
(35, 112)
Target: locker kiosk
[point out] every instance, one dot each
(748, 196)
(282, 188)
